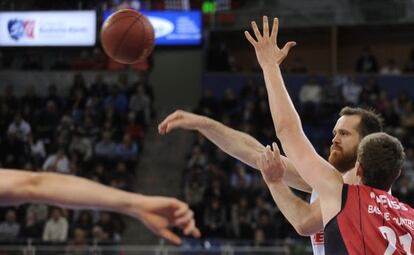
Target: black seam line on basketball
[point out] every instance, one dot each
(143, 38)
(124, 36)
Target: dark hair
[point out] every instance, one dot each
(381, 157)
(371, 122)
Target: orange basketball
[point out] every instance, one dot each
(127, 36)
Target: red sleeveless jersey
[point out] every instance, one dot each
(371, 221)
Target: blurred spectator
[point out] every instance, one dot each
(366, 63)
(13, 151)
(56, 228)
(78, 245)
(390, 68)
(351, 91)
(404, 190)
(214, 219)
(58, 162)
(391, 118)
(122, 176)
(88, 129)
(259, 237)
(84, 222)
(133, 128)
(65, 130)
(77, 105)
(370, 92)
(99, 87)
(37, 150)
(269, 228)
(19, 127)
(208, 104)
(241, 179)
(127, 149)
(407, 116)
(105, 148)
(241, 216)
(118, 99)
(310, 93)
(30, 228)
(140, 103)
(107, 224)
(81, 146)
(310, 97)
(52, 95)
(229, 102)
(197, 158)
(39, 211)
(193, 195)
(99, 235)
(48, 120)
(262, 206)
(9, 229)
(78, 84)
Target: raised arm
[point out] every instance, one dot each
(237, 144)
(305, 218)
(317, 172)
(157, 213)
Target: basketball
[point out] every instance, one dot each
(127, 36)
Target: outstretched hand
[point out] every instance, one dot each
(265, 44)
(160, 213)
(180, 119)
(271, 165)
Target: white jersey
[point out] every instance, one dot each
(318, 244)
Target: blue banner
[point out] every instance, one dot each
(174, 27)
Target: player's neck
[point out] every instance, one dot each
(350, 176)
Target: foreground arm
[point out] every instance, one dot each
(317, 172)
(157, 213)
(237, 144)
(305, 218)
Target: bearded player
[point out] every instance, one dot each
(358, 219)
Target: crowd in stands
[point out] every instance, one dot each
(221, 59)
(230, 199)
(95, 132)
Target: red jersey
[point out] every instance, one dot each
(371, 221)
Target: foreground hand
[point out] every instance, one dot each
(271, 165)
(160, 213)
(265, 45)
(180, 119)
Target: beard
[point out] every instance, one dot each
(342, 161)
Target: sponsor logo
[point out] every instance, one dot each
(386, 202)
(20, 28)
(162, 27)
(318, 238)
